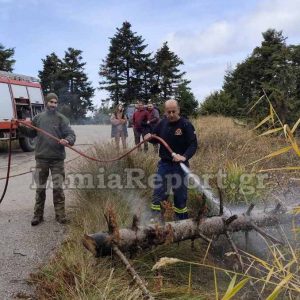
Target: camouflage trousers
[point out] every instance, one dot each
(41, 177)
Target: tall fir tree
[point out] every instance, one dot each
(77, 94)
(51, 76)
(6, 58)
(167, 73)
(126, 67)
(279, 79)
(67, 78)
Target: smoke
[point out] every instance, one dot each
(255, 243)
(138, 206)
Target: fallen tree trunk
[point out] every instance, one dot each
(143, 237)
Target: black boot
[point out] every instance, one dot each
(62, 219)
(36, 220)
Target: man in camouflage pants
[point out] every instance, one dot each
(50, 156)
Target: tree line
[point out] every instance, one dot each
(272, 69)
(128, 73)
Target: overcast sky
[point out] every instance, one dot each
(209, 36)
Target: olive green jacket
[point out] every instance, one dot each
(56, 124)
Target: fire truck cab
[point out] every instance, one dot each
(21, 98)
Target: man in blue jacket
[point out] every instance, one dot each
(180, 135)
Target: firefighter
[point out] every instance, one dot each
(179, 133)
(50, 156)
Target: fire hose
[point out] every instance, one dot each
(214, 201)
(73, 149)
(93, 158)
(8, 165)
(27, 172)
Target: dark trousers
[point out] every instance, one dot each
(170, 177)
(41, 176)
(138, 135)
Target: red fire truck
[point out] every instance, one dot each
(21, 98)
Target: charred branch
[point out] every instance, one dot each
(230, 220)
(250, 208)
(221, 202)
(135, 223)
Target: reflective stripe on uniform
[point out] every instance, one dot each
(155, 207)
(180, 210)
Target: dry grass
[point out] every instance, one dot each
(74, 274)
(231, 148)
(223, 142)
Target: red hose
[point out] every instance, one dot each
(96, 159)
(72, 148)
(9, 162)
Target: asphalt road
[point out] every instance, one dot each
(23, 247)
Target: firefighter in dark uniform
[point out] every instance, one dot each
(50, 156)
(179, 133)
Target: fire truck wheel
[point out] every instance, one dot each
(27, 144)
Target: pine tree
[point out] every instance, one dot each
(51, 75)
(274, 68)
(126, 67)
(76, 95)
(295, 105)
(186, 99)
(219, 103)
(167, 73)
(6, 59)
(145, 75)
(66, 77)
(277, 78)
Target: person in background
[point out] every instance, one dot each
(50, 156)
(140, 126)
(153, 120)
(180, 135)
(119, 126)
